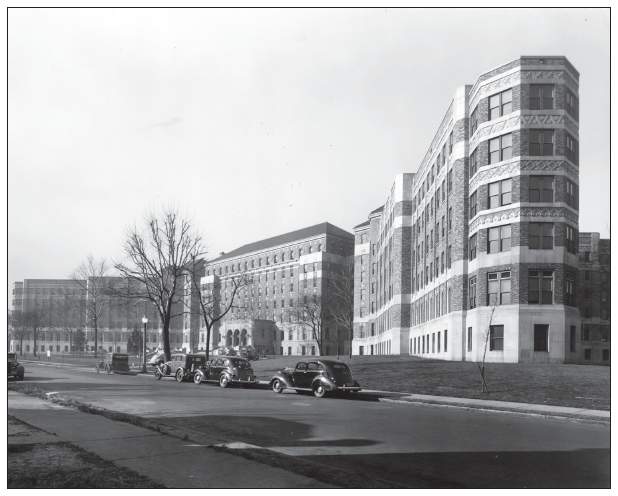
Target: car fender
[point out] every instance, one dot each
(325, 381)
(226, 373)
(283, 378)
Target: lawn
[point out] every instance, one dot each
(579, 386)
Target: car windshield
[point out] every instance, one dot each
(198, 360)
(243, 364)
(340, 366)
(121, 358)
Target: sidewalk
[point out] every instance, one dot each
(493, 405)
(163, 459)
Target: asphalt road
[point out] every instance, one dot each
(417, 446)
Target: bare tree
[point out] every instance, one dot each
(312, 313)
(92, 280)
(341, 293)
(155, 262)
(486, 335)
(214, 301)
(36, 321)
(19, 328)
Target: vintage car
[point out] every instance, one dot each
(15, 370)
(227, 351)
(231, 370)
(183, 366)
(113, 362)
(248, 352)
(319, 376)
(157, 359)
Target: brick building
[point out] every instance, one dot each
(489, 222)
(62, 300)
(283, 270)
(594, 291)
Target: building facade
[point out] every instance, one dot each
(282, 273)
(480, 244)
(63, 302)
(594, 293)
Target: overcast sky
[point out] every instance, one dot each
(257, 122)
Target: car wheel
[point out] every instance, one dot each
(198, 378)
(277, 386)
(108, 370)
(223, 381)
(319, 391)
(157, 375)
(179, 375)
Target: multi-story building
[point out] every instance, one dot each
(594, 297)
(480, 244)
(282, 272)
(63, 302)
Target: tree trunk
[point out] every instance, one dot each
(166, 338)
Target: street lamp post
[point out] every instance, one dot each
(145, 321)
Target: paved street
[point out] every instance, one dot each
(411, 445)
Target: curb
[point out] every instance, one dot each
(605, 423)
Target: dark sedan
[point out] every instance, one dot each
(319, 376)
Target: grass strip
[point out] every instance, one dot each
(92, 472)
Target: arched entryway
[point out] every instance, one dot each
(243, 337)
(228, 338)
(236, 337)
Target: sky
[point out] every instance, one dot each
(254, 122)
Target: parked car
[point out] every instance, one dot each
(319, 376)
(184, 366)
(113, 362)
(15, 369)
(157, 359)
(231, 370)
(227, 351)
(248, 352)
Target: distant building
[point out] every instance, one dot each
(283, 269)
(594, 298)
(489, 220)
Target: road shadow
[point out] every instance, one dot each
(586, 468)
(262, 431)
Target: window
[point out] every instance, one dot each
(587, 354)
(496, 338)
(540, 337)
(540, 236)
(443, 226)
(541, 97)
(500, 148)
(474, 162)
(572, 105)
(570, 239)
(571, 150)
(586, 256)
(474, 121)
(570, 194)
(450, 180)
(586, 275)
(469, 338)
(541, 142)
(605, 355)
(499, 239)
(450, 143)
(448, 258)
(586, 313)
(445, 339)
(472, 255)
(473, 205)
(573, 334)
(450, 218)
(570, 289)
(541, 287)
(500, 193)
(499, 288)
(541, 189)
(500, 104)
(472, 292)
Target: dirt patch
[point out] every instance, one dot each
(65, 466)
(17, 428)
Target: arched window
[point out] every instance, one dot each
(245, 265)
(320, 247)
(252, 264)
(310, 248)
(275, 259)
(236, 337)
(300, 252)
(243, 337)
(283, 257)
(228, 338)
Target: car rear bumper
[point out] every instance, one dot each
(244, 381)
